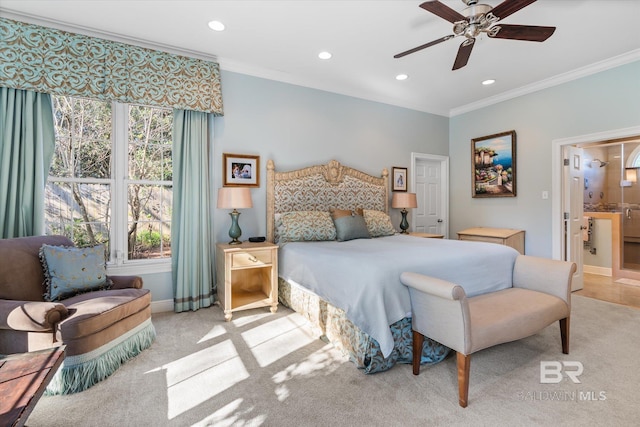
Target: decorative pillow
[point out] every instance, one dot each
(69, 271)
(378, 223)
(338, 213)
(351, 227)
(303, 226)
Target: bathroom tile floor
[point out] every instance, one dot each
(604, 288)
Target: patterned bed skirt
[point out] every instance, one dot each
(332, 323)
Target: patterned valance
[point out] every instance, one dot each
(47, 60)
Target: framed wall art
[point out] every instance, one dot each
(240, 170)
(399, 177)
(493, 165)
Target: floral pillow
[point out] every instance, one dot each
(69, 271)
(302, 226)
(378, 223)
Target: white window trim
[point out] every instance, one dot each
(119, 221)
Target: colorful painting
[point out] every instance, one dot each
(493, 160)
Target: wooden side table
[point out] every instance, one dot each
(247, 276)
(503, 236)
(427, 235)
(23, 379)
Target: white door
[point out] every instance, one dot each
(430, 183)
(574, 211)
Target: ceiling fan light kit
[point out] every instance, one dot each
(477, 19)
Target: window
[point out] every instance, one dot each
(110, 178)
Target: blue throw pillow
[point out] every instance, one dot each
(69, 271)
(351, 227)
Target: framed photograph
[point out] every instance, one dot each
(493, 160)
(240, 170)
(399, 177)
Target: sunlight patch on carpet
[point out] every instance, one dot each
(276, 339)
(200, 376)
(215, 332)
(232, 415)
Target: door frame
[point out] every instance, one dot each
(444, 184)
(557, 201)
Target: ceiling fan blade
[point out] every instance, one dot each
(530, 33)
(509, 7)
(464, 51)
(442, 10)
(424, 46)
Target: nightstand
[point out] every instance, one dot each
(247, 276)
(427, 235)
(501, 236)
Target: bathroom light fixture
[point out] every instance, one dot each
(488, 82)
(402, 77)
(325, 55)
(216, 26)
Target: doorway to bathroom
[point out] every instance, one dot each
(604, 239)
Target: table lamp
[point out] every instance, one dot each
(404, 201)
(234, 198)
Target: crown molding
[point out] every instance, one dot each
(594, 68)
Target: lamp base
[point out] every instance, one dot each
(404, 224)
(234, 231)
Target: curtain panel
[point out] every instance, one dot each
(191, 231)
(58, 62)
(27, 145)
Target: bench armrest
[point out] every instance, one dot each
(124, 282)
(550, 276)
(443, 307)
(31, 316)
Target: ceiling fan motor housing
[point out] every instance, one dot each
(478, 19)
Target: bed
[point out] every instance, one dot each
(350, 290)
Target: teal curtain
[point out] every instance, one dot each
(191, 231)
(27, 144)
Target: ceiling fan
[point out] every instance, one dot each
(476, 19)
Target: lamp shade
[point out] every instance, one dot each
(404, 200)
(234, 198)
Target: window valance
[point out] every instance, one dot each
(52, 61)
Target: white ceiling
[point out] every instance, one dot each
(280, 40)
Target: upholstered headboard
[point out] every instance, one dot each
(321, 187)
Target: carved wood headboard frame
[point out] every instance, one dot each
(321, 187)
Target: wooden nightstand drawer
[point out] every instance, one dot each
(250, 259)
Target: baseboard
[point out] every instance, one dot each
(161, 306)
(601, 271)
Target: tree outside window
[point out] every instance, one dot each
(101, 183)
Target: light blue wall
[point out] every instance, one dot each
(601, 102)
(297, 126)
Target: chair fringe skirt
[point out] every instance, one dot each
(80, 372)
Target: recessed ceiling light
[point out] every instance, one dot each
(402, 77)
(488, 82)
(216, 26)
(324, 55)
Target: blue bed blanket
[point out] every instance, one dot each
(362, 277)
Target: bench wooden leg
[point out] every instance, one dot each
(464, 365)
(418, 341)
(564, 334)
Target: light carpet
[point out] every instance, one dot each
(264, 369)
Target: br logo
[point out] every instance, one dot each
(551, 372)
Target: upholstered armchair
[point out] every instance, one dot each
(101, 328)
